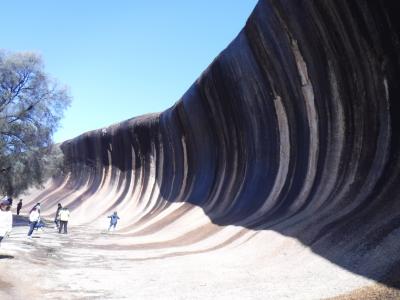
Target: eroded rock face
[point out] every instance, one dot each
(294, 128)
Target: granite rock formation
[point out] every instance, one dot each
(294, 128)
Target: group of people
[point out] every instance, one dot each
(35, 222)
(61, 218)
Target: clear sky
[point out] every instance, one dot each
(119, 58)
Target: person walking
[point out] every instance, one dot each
(19, 206)
(113, 221)
(5, 218)
(34, 218)
(64, 217)
(56, 218)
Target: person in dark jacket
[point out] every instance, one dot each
(56, 218)
(113, 221)
(19, 206)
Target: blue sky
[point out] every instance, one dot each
(121, 59)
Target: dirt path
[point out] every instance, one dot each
(79, 266)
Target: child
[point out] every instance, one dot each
(39, 225)
(113, 221)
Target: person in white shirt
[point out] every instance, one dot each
(34, 218)
(5, 218)
(63, 215)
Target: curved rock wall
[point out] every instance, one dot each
(294, 128)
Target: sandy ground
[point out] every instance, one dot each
(373, 292)
(77, 266)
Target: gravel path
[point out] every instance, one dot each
(78, 266)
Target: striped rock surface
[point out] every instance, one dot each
(292, 130)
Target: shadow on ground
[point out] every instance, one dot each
(6, 256)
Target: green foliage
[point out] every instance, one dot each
(31, 106)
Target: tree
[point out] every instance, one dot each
(31, 106)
